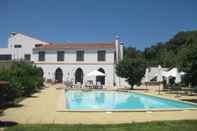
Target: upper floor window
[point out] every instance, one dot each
(80, 55)
(17, 46)
(41, 56)
(27, 57)
(60, 56)
(5, 57)
(38, 45)
(101, 55)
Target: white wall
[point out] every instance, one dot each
(69, 71)
(28, 43)
(69, 65)
(4, 51)
(90, 55)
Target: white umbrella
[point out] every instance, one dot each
(173, 72)
(182, 73)
(178, 78)
(165, 74)
(159, 74)
(159, 77)
(146, 75)
(95, 73)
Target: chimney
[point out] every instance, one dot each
(121, 50)
(12, 34)
(117, 48)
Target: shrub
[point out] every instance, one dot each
(24, 79)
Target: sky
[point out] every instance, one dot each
(139, 23)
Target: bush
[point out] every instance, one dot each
(131, 69)
(24, 79)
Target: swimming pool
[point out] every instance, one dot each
(114, 100)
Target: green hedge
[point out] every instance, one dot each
(24, 79)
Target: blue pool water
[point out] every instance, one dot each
(113, 100)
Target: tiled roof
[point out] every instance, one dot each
(78, 46)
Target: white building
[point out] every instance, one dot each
(152, 74)
(69, 61)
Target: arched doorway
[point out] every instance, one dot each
(79, 76)
(58, 75)
(101, 79)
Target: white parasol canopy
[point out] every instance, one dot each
(165, 74)
(159, 74)
(173, 72)
(182, 73)
(146, 75)
(178, 78)
(95, 73)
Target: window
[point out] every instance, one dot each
(60, 56)
(101, 55)
(27, 57)
(114, 56)
(38, 45)
(5, 57)
(80, 55)
(41, 56)
(17, 46)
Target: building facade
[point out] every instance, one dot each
(69, 61)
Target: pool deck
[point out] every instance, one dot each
(43, 108)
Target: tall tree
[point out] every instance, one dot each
(179, 51)
(131, 69)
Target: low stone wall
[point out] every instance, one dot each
(154, 86)
(151, 86)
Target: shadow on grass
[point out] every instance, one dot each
(32, 97)
(7, 123)
(11, 105)
(6, 106)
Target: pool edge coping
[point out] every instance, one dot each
(63, 102)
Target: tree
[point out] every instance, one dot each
(180, 51)
(187, 61)
(24, 79)
(131, 53)
(131, 69)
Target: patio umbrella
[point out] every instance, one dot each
(173, 72)
(178, 78)
(95, 73)
(165, 74)
(159, 76)
(146, 78)
(146, 75)
(182, 73)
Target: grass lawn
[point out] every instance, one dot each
(150, 126)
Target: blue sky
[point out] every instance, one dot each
(140, 23)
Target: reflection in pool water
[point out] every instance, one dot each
(106, 100)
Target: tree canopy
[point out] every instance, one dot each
(180, 51)
(132, 67)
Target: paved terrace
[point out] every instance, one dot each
(42, 108)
